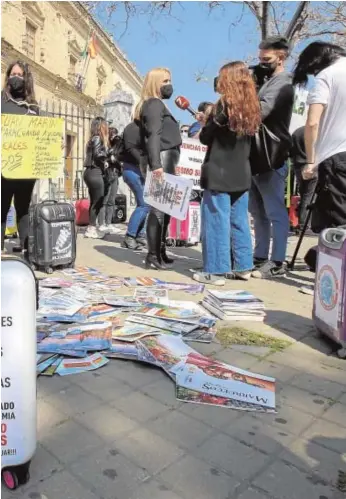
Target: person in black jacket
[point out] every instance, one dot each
(95, 173)
(135, 236)
(161, 148)
(17, 97)
(226, 177)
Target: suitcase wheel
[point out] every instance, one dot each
(170, 242)
(341, 353)
(15, 476)
(48, 270)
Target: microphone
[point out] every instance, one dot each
(184, 104)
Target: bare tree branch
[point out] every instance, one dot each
(265, 19)
(297, 20)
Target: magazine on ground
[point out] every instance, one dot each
(177, 314)
(75, 366)
(121, 301)
(204, 375)
(165, 325)
(132, 332)
(241, 315)
(122, 350)
(151, 295)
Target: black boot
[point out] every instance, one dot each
(164, 257)
(163, 254)
(130, 243)
(154, 236)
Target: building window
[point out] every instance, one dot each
(30, 35)
(72, 69)
(99, 89)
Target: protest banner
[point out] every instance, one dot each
(192, 154)
(171, 195)
(31, 146)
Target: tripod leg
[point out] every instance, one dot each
(290, 266)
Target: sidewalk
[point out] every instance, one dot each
(119, 433)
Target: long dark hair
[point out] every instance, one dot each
(29, 93)
(314, 58)
(99, 128)
(239, 98)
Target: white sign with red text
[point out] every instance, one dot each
(192, 154)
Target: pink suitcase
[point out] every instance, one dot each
(329, 310)
(188, 231)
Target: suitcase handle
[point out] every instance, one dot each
(333, 238)
(49, 201)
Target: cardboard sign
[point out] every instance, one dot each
(192, 154)
(32, 146)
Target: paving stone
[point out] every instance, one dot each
(302, 400)
(288, 419)
(318, 386)
(336, 414)
(251, 350)
(111, 475)
(42, 466)
(193, 478)
(59, 486)
(285, 482)
(234, 358)
(135, 374)
(229, 455)
(107, 423)
(139, 406)
(74, 400)
(252, 494)
(342, 399)
(207, 348)
(153, 489)
(104, 387)
(47, 385)
(148, 450)
(311, 457)
(277, 371)
(327, 434)
(180, 429)
(260, 434)
(47, 418)
(217, 417)
(162, 390)
(70, 440)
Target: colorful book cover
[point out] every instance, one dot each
(204, 375)
(121, 301)
(52, 368)
(165, 325)
(151, 295)
(122, 350)
(133, 332)
(132, 282)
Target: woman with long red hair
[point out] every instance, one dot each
(226, 177)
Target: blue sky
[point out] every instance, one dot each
(195, 41)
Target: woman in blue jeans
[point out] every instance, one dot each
(135, 237)
(226, 177)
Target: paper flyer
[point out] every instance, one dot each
(151, 295)
(133, 332)
(121, 301)
(166, 325)
(75, 366)
(171, 195)
(122, 350)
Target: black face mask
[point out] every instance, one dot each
(166, 91)
(16, 84)
(216, 81)
(267, 68)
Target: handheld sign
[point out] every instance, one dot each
(18, 370)
(31, 146)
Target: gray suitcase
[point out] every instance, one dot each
(52, 235)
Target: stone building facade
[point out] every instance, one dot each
(51, 37)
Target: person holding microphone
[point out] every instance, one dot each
(161, 151)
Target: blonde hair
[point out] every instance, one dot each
(151, 88)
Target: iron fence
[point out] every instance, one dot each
(77, 121)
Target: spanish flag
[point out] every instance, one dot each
(92, 46)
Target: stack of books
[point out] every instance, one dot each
(234, 305)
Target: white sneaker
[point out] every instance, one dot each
(113, 229)
(104, 229)
(93, 233)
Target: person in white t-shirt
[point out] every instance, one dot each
(325, 130)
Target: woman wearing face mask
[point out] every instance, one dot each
(161, 146)
(226, 177)
(17, 97)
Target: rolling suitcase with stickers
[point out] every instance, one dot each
(329, 310)
(52, 235)
(186, 232)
